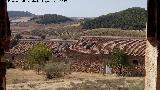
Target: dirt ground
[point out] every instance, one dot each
(28, 80)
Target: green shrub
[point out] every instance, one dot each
(119, 61)
(119, 58)
(56, 70)
(37, 55)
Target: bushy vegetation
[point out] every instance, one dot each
(39, 59)
(37, 56)
(121, 66)
(19, 14)
(51, 18)
(111, 32)
(119, 60)
(132, 19)
(56, 70)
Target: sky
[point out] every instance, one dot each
(75, 8)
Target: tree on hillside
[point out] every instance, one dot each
(37, 56)
(133, 19)
(51, 18)
(119, 59)
(20, 14)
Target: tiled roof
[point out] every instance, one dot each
(131, 46)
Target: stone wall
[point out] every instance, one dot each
(85, 55)
(151, 66)
(152, 57)
(82, 62)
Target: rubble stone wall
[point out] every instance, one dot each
(81, 62)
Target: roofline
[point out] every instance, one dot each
(51, 40)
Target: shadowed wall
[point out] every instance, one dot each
(5, 34)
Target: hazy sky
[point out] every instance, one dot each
(76, 8)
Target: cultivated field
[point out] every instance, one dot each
(114, 32)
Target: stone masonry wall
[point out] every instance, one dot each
(151, 67)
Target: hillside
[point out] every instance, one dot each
(20, 14)
(51, 18)
(112, 32)
(132, 18)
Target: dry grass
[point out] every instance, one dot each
(15, 76)
(29, 80)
